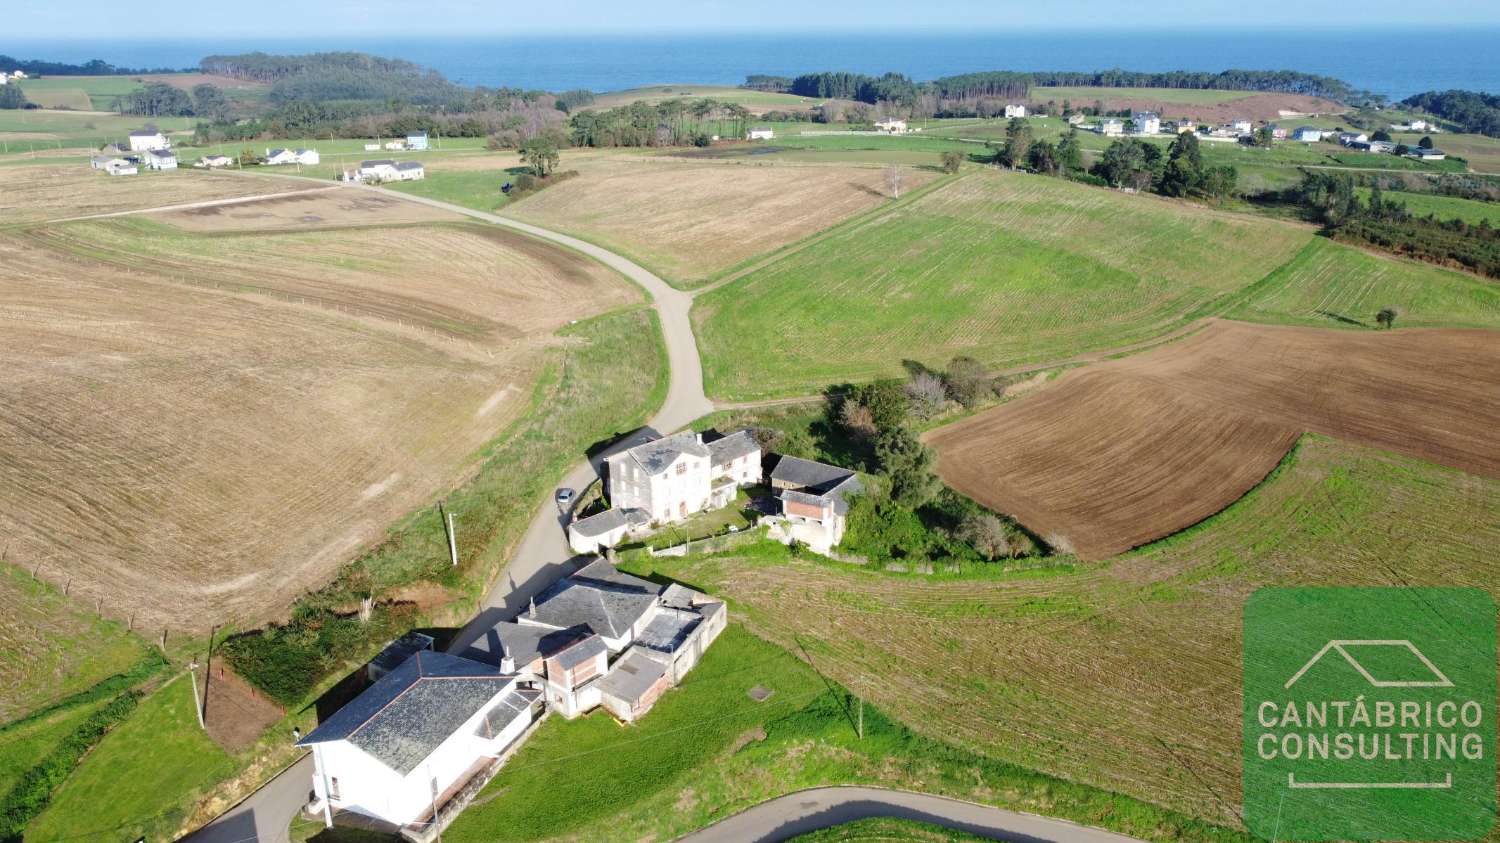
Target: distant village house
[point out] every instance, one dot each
(760, 133)
(146, 140)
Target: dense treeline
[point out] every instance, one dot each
(325, 77)
(11, 96)
(507, 120)
(1333, 200)
(1475, 111)
(1138, 165)
(893, 87)
(670, 123)
(92, 67)
(157, 99)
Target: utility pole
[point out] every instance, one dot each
(452, 536)
(197, 707)
(861, 727)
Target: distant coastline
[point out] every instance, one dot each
(1396, 63)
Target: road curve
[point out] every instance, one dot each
(823, 807)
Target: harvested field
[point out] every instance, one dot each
(1124, 675)
(1010, 269)
(1121, 453)
(198, 428)
(33, 193)
(687, 219)
(342, 206)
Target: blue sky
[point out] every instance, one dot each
(60, 19)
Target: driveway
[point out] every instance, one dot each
(823, 807)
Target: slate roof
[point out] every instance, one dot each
(162, 153)
(669, 630)
(598, 596)
(654, 457)
(525, 644)
(731, 447)
(409, 165)
(679, 596)
(400, 650)
(808, 476)
(580, 652)
(275, 152)
(610, 519)
(379, 162)
(632, 675)
(144, 133)
(410, 711)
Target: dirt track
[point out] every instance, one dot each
(1121, 453)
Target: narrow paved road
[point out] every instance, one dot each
(824, 807)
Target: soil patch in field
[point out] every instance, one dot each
(234, 713)
(1122, 453)
(316, 209)
(54, 191)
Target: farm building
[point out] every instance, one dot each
(211, 162)
(293, 156)
(573, 673)
(161, 159)
(113, 165)
(1112, 126)
(891, 126)
(1350, 138)
(1146, 122)
(395, 145)
(1307, 134)
(145, 140)
(1075, 119)
(410, 171)
(1241, 127)
(1428, 154)
(633, 685)
(1182, 126)
(1277, 132)
(607, 529)
(417, 140)
(813, 502)
(1015, 110)
(384, 169)
(760, 133)
(416, 736)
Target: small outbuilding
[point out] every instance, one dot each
(633, 685)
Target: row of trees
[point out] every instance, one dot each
(676, 122)
(1334, 200)
(11, 96)
(1018, 84)
(1136, 164)
(92, 67)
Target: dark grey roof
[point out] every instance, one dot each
(731, 447)
(632, 675)
(610, 519)
(416, 134)
(669, 630)
(275, 152)
(145, 133)
(364, 165)
(809, 476)
(580, 652)
(303, 151)
(679, 596)
(400, 650)
(598, 596)
(410, 711)
(409, 165)
(162, 153)
(525, 643)
(511, 706)
(826, 494)
(655, 456)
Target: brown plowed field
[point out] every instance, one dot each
(1123, 453)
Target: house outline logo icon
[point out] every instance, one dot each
(1341, 645)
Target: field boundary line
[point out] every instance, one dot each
(188, 206)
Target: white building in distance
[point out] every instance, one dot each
(145, 140)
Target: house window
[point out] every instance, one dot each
(333, 788)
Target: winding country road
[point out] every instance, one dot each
(823, 807)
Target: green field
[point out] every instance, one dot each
(1471, 211)
(1084, 96)
(96, 93)
(24, 131)
(1122, 674)
(707, 750)
(1330, 284)
(23, 746)
(51, 647)
(1008, 268)
(140, 778)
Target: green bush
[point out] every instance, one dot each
(30, 796)
(288, 661)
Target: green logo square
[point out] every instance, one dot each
(1369, 713)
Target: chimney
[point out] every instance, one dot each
(533, 608)
(507, 661)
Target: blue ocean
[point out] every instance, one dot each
(1396, 63)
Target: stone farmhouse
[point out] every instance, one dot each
(666, 480)
(434, 728)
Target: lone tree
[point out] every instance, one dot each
(1425, 142)
(894, 176)
(540, 154)
(1386, 318)
(952, 160)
